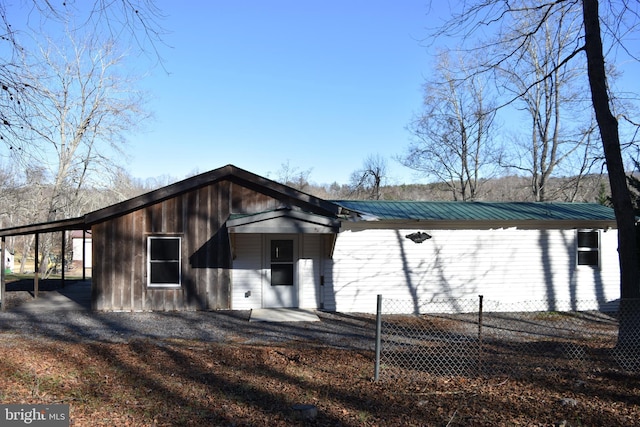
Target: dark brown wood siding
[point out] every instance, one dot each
(198, 217)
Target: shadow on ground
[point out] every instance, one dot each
(63, 313)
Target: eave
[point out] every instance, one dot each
(45, 227)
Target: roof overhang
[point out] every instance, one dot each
(284, 221)
(477, 225)
(45, 227)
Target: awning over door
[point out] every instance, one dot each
(283, 221)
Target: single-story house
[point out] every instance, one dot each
(8, 261)
(230, 239)
(81, 249)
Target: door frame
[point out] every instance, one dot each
(268, 293)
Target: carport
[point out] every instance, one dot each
(61, 226)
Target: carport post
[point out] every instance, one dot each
(62, 257)
(2, 277)
(35, 268)
(84, 253)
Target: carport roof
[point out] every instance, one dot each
(45, 227)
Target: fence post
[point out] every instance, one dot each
(376, 374)
(480, 346)
(480, 298)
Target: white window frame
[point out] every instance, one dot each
(582, 249)
(150, 261)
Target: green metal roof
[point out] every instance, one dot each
(479, 211)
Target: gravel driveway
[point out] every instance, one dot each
(350, 331)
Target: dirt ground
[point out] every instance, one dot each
(249, 378)
(185, 382)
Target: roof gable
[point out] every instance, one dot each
(232, 173)
(287, 195)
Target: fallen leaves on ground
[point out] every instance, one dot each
(183, 383)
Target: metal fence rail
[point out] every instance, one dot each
(462, 338)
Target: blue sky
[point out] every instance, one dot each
(317, 85)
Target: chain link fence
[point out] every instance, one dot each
(486, 338)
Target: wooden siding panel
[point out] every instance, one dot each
(225, 281)
(203, 273)
(158, 297)
(174, 300)
(189, 245)
(209, 229)
(112, 252)
(172, 218)
(99, 280)
(174, 224)
(125, 261)
(219, 287)
(211, 284)
(245, 200)
(138, 255)
(503, 264)
(198, 216)
(155, 218)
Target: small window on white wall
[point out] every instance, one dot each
(589, 247)
(163, 261)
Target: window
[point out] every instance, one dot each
(588, 247)
(282, 263)
(163, 261)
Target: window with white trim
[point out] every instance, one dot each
(163, 261)
(589, 247)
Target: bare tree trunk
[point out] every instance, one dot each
(620, 195)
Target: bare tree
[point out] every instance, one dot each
(548, 93)
(620, 21)
(452, 135)
(293, 176)
(368, 181)
(80, 106)
(127, 23)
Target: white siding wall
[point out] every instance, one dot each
(309, 270)
(508, 265)
(247, 273)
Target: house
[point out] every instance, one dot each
(8, 261)
(558, 256)
(80, 249)
(230, 239)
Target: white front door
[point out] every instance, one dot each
(280, 289)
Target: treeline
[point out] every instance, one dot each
(591, 188)
(20, 202)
